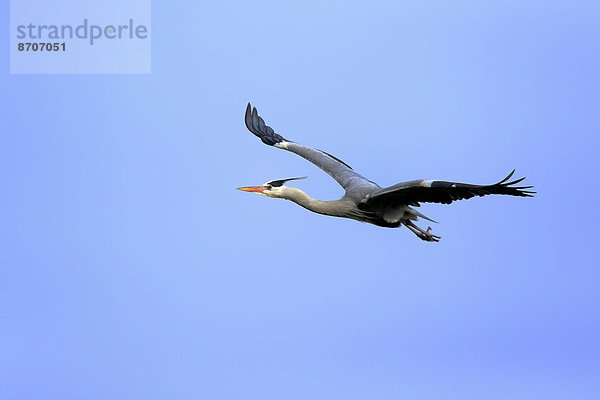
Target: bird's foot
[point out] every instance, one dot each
(430, 237)
(423, 235)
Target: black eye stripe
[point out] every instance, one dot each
(276, 183)
(280, 182)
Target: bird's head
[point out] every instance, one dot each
(274, 188)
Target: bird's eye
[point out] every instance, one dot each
(269, 187)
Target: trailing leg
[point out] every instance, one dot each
(424, 235)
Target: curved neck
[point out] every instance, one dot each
(334, 207)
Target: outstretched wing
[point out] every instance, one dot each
(339, 170)
(431, 191)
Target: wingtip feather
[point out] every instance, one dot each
(507, 177)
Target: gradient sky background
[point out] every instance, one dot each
(133, 269)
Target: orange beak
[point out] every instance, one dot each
(256, 189)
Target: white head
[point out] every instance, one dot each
(274, 188)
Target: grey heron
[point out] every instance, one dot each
(364, 200)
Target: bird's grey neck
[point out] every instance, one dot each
(334, 207)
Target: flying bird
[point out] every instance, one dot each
(364, 200)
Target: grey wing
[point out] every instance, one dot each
(432, 191)
(336, 168)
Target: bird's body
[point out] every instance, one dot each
(364, 200)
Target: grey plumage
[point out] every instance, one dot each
(364, 200)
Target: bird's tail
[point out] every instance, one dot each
(416, 214)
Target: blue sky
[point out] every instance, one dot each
(132, 268)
